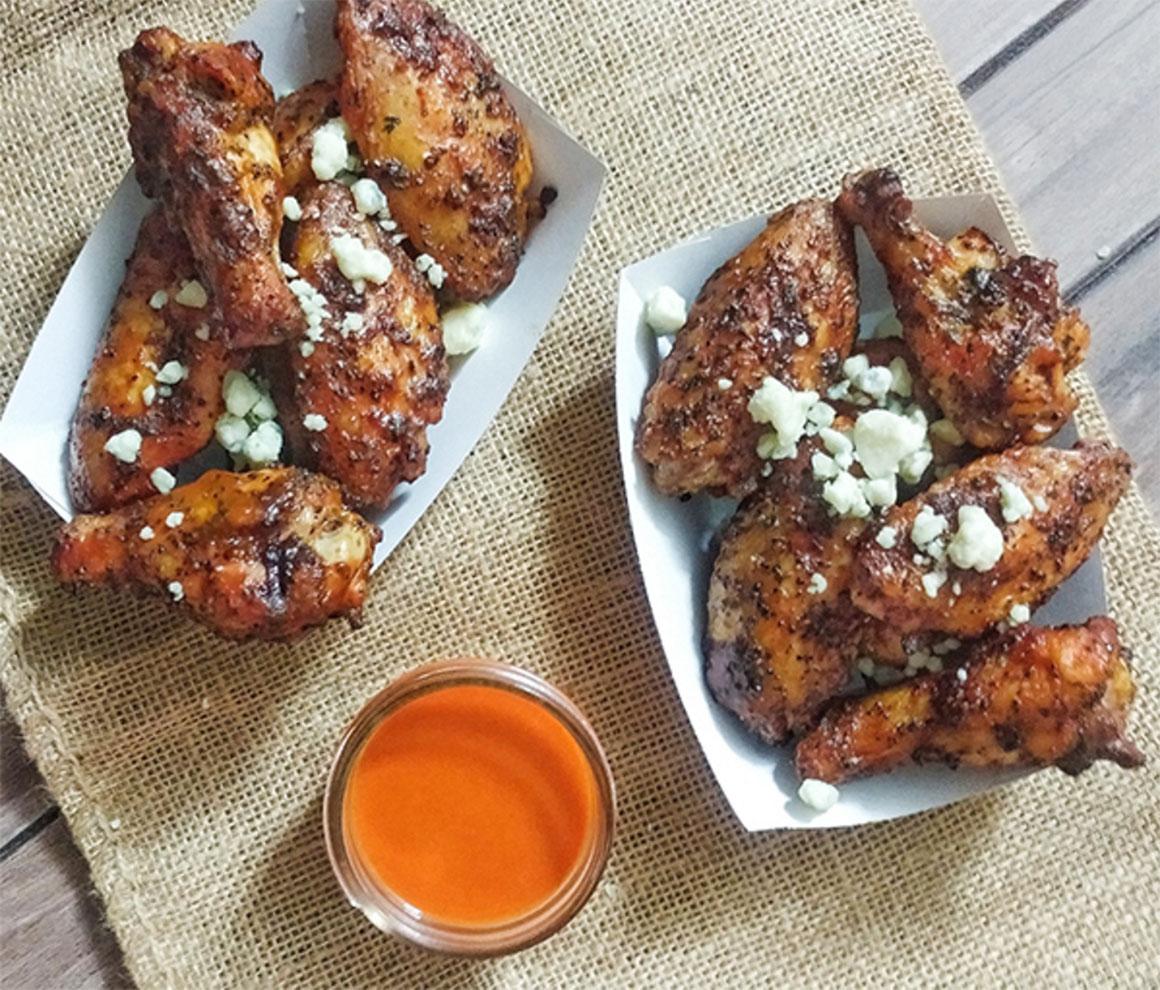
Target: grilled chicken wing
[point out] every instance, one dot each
(991, 335)
(1046, 509)
(296, 117)
(263, 555)
(356, 402)
(435, 127)
(786, 307)
(199, 119)
(781, 634)
(168, 409)
(1028, 697)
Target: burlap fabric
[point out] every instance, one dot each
(191, 770)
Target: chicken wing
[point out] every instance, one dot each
(1028, 697)
(199, 118)
(154, 388)
(435, 127)
(781, 634)
(991, 334)
(263, 555)
(785, 307)
(296, 118)
(356, 400)
(1005, 530)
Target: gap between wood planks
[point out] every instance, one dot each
(1011, 51)
(1137, 242)
(29, 832)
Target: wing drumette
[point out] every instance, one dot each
(991, 335)
(1028, 697)
(263, 555)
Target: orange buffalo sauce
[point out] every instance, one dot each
(472, 803)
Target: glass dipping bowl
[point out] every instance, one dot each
(390, 912)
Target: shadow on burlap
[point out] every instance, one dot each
(211, 756)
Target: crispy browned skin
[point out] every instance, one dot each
(296, 117)
(797, 277)
(991, 334)
(378, 387)
(138, 341)
(199, 118)
(263, 555)
(1029, 697)
(436, 129)
(777, 651)
(1080, 488)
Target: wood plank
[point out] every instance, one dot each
(1073, 126)
(51, 934)
(23, 797)
(1124, 314)
(968, 34)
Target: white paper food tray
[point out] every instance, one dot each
(298, 46)
(672, 543)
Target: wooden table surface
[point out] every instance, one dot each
(1066, 96)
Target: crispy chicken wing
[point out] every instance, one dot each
(168, 409)
(356, 402)
(781, 635)
(435, 127)
(199, 118)
(786, 307)
(1028, 697)
(296, 117)
(1044, 511)
(263, 555)
(991, 334)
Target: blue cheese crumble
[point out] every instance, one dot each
(464, 327)
(192, 294)
(666, 311)
(162, 480)
(125, 446)
(1013, 501)
(314, 421)
(817, 794)
(357, 262)
(978, 542)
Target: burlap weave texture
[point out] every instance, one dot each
(191, 770)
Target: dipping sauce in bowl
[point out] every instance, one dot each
(469, 808)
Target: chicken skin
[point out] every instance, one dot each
(155, 382)
(782, 635)
(296, 118)
(785, 307)
(1027, 697)
(437, 131)
(1005, 530)
(357, 398)
(199, 117)
(990, 334)
(263, 555)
